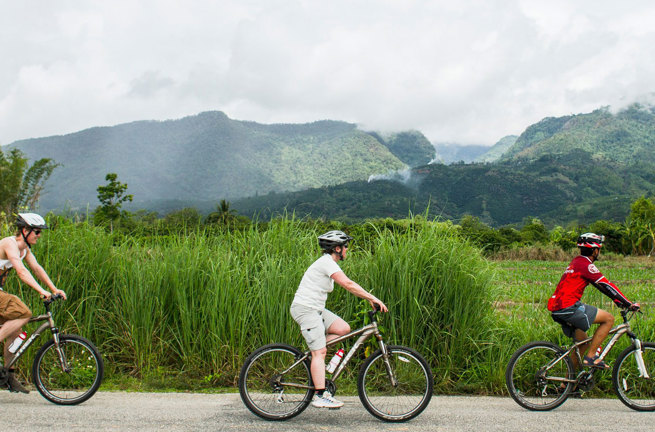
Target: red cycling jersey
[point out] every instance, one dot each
(580, 273)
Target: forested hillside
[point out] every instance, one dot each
(625, 137)
(559, 189)
(209, 157)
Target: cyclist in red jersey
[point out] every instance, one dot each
(576, 317)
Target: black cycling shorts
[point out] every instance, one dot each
(579, 316)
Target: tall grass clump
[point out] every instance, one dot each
(184, 309)
(437, 287)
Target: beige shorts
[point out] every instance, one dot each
(11, 308)
(313, 324)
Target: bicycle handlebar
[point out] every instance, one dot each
(52, 299)
(371, 314)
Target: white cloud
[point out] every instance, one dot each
(466, 71)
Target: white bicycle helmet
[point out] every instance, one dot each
(591, 240)
(31, 220)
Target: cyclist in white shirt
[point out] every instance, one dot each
(15, 250)
(317, 324)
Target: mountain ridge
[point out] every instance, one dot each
(210, 156)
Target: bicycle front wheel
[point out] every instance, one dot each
(537, 376)
(69, 374)
(270, 387)
(400, 402)
(634, 390)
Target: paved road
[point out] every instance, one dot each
(119, 411)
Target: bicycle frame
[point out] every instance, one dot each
(366, 333)
(50, 323)
(616, 334)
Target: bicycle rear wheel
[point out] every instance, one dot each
(262, 382)
(408, 398)
(81, 378)
(634, 391)
(535, 377)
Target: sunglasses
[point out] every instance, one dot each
(37, 232)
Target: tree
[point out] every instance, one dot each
(111, 197)
(534, 231)
(223, 214)
(20, 184)
(640, 226)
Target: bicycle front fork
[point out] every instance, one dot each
(643, 373)
(387, 364)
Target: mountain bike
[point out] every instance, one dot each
(394, 383)
(540, 376)
(67, 370)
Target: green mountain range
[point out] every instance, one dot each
(573, 169)
(209, 157)
(625, 137)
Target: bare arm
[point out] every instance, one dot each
(353, 287)
(13, 255)
(42, 275)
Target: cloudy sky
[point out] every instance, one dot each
(459, 71)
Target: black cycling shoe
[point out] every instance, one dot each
(591, 362)
(15, 386)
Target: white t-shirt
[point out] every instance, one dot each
(316, 283)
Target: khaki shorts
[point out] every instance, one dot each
(11, 308)
(313, 324)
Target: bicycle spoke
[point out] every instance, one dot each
(75, 383)
(405, 400)
(534, 381)
(634, 390)
(264, 389)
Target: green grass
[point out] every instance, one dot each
(181, 312)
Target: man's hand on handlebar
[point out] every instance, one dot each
(378, 305)
(60, 293)
(634, 307)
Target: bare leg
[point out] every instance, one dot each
(9, 331)
(606, 321)
(338, 328)
(317, 368)
(579, 336)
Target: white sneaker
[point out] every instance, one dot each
(326, 401)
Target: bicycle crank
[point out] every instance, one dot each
(586, 381)
(331, 387)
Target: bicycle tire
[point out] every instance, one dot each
(526, 383)
(79, 382)
(259, 377)
(635, 392)
(405, 401)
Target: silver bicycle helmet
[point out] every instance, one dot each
(332, 239)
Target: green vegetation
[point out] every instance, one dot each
(21, 185)
(111, 197)
(210, 156)
(626, 137)
(175, 307)
(562, 190)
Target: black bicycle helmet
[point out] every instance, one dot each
(590, 240)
